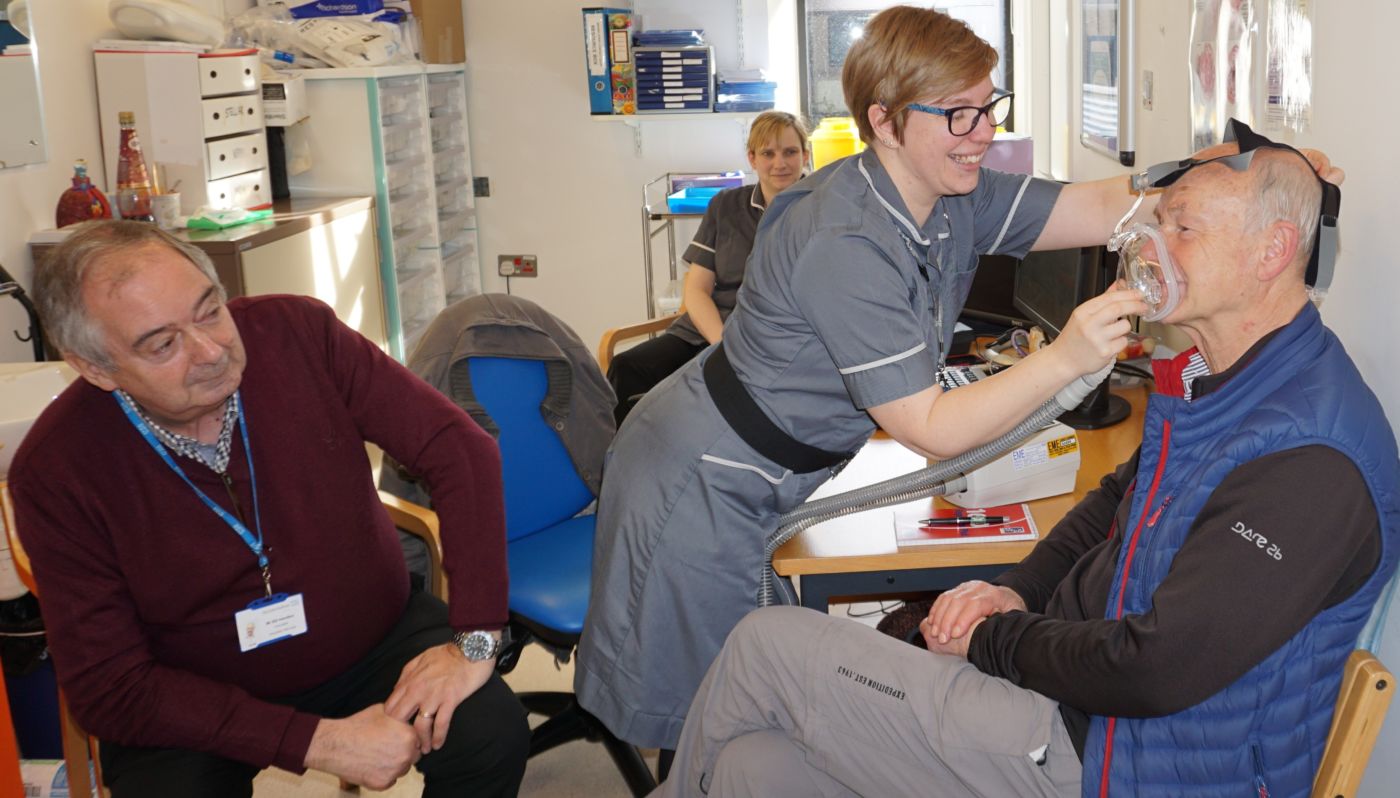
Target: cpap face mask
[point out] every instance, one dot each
(1145, 265)
(1156, 276)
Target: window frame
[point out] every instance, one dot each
(1006, 62)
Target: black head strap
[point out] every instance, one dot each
(1324, 253)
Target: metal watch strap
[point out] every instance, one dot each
(477, 646)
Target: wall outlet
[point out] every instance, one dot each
(481, 186)
(517, 266)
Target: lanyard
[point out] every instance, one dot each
(937, 264)
(255, 544)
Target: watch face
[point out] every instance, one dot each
(477, 646)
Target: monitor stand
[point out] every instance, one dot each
(1099, 409)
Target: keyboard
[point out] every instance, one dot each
(950, 377)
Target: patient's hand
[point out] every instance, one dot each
(955, 612)
(956, 646)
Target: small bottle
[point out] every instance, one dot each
(81, 202)
(133, 181)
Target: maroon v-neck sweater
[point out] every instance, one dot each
(139, 580)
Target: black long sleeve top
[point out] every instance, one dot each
(1213, 617)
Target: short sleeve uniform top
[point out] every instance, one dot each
(722, 244)
(848, 304)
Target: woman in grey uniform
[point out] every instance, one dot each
(855, 282)
(778, 150)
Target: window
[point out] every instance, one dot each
(830, 26)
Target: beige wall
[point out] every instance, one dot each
(566, 187)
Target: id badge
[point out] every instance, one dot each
(269, 620)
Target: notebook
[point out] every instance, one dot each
(917, 525)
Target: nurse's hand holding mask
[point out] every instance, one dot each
(1098, 330)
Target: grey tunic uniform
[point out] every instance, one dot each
(846, 305)
(722, 244)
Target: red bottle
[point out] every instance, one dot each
(133, 181)
(81, 202)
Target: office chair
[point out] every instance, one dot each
(550, 550)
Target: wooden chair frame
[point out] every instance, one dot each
(1367, 687)
(611, 338)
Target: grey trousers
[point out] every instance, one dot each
(802, 704)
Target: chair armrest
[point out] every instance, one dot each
(422, 523)
(616, 335)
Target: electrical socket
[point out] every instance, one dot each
(517, 266)
(481, 186)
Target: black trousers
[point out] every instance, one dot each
(484, 754)
(634, 372)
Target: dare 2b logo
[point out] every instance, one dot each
(1258, 540)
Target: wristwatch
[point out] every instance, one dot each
(476, 646)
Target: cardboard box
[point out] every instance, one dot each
(284, 100)
(444, 40)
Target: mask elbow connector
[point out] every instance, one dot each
(1074, 394)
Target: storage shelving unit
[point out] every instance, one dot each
(372, 131)
(452, 179)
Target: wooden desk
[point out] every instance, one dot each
(856, 555)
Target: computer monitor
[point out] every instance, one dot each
(1049, 285)
(989, 300)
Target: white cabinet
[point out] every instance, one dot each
(200, 122)
(400, 134)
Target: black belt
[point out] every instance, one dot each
(753, 425)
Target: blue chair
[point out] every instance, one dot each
(550, 550)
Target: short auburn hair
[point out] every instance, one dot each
(908, 53)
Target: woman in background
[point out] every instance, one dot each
(778, 150)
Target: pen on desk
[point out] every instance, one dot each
(965, 520)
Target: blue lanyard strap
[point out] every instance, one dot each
(254, 543)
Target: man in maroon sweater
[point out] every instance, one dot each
(221, 587)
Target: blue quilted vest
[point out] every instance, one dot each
(1265, 733)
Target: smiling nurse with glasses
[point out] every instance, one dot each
(856, 279)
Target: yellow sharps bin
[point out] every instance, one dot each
(835, 138)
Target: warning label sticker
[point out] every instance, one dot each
(1060, 446)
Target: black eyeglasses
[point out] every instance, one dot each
(963, 119)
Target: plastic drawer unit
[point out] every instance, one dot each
(200, 119)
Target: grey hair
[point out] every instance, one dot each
(1286, 190)
(59, 278)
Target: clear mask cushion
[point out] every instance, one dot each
(1145, 266)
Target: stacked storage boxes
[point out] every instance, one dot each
(386, 153)
(200, 120)
(417, 274)
(452, 174)
(674, 79)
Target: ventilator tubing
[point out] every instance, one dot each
(947, 476)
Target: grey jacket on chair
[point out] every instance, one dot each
(579, 401)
